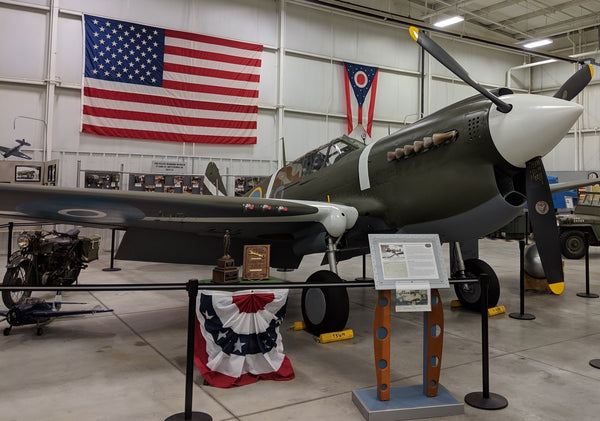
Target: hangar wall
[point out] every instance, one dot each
(301, 93)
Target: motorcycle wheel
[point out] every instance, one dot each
(15, 276)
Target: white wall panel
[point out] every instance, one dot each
(69, 50)
(22, 43)
(308, 84)
(397, 97)
(21, 109)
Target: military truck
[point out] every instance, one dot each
(583, 223)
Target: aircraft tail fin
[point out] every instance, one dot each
(213, 183)
(22, 142)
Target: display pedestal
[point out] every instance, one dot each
(406, 403)
(225, 272)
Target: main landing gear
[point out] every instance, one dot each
(469, 294)
(325, 309)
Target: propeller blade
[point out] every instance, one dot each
(443, 57)
(543, 222)
(575, 84)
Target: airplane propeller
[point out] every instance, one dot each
(443, 57)
(575, 84)
(539, 196)
(543, 222)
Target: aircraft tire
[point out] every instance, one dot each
(469, 294)
(16, 276)
(572, 244)
(324, 309)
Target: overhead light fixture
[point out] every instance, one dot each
(449, 21)
(538, 43)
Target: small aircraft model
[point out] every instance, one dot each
(15, 150)
(35, 311)
(462, 172)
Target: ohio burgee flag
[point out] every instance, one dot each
(146, 82)
(237, 337)
(360, 84)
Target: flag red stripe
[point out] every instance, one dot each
(372, 103)
(168, 101)
(210, 89)
(201, 71)
(175, 137)
(348, 99)
(208, 55)
(213, 40)
(165, 118)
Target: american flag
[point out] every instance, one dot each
(146, 82)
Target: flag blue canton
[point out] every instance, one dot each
(120, 51)
(360, 78)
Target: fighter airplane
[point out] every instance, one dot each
(15, 151)
(35, 311)
(461, 172)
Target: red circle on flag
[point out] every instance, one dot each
(361, 79)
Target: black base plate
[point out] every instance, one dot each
(586, 295)
(111, 269)
(196, 416)
(495, 401)
(522, 316)
(595, 363)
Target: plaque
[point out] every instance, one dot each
(256, 262)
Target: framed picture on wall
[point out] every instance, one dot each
(28, 173)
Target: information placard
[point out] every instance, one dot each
(407, 258)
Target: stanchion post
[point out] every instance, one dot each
(587, 293)
(364, 270)
(10, 234)
(112, 267)
(192, 289)
(522, 315)
(485, 399)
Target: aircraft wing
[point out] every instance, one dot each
(185, 228)
(4, 149)
(50, 313)
(20, 155)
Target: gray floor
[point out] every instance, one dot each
(130, 365)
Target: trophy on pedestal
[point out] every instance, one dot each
(226, 272)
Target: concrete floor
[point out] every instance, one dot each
(129, 365)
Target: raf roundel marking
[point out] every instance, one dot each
(82, 213)
(542, 207)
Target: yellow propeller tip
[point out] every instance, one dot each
(591, 69)
(557, 288)
(414, 32)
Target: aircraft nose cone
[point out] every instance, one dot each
(533, 127)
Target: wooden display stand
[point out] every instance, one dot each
(420, 401)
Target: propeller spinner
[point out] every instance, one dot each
(522, 138)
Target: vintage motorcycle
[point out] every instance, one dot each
(47, 258)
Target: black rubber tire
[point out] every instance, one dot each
(324, 309)
(16, 276)
(572, 244)
(469, 294)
